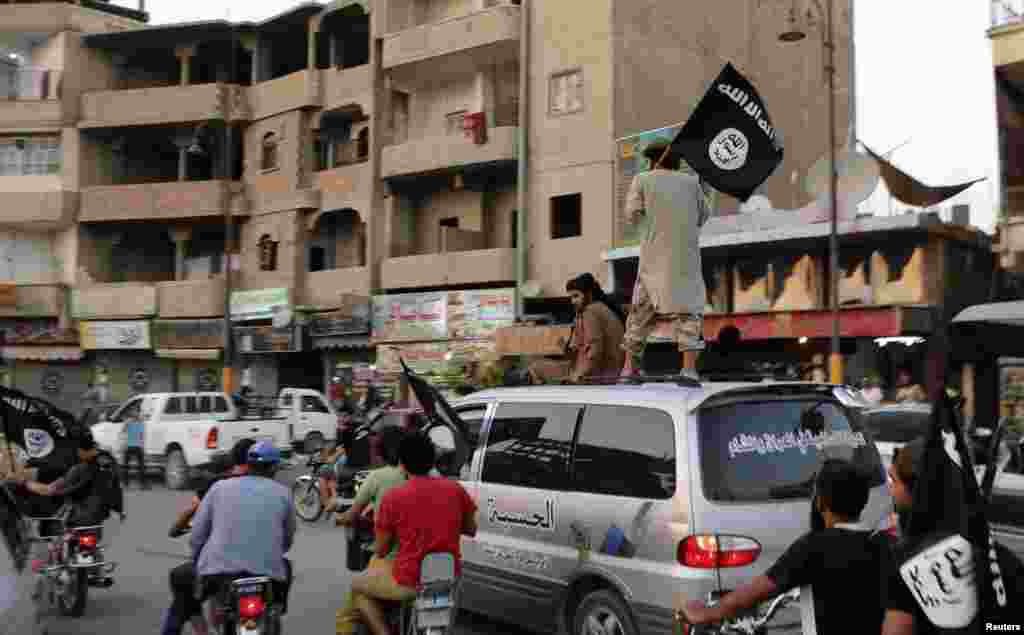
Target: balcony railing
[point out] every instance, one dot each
(29, 84)
(1007, 12)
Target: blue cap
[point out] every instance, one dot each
(264, 453)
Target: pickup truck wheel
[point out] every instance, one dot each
(176, 470)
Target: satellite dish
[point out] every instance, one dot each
(756, 203)
(858, 177)
(282, 317)
(530, 289)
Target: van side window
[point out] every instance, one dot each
(173, 406)
(220, 405)
(205, 405)
(473, 417)
(625, 451)
(286, 400)
(529, 445)
(190, 405)
(313, 404)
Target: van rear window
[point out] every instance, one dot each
(772, 449)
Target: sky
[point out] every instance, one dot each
(923, 71)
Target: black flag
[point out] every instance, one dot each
(950, 564)
(439, 413)
(45, 433)
(729, 140)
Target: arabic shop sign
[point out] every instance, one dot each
(410, 316)
(259, 304)
(198, 334)
(120, 335)
(351, 321)
(481, 312)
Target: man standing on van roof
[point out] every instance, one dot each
(670, 284)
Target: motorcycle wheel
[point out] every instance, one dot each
(306, 499)
(71, 597)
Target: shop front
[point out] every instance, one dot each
(270, 342)
(44, 359)
(195, 348)
(446, 336)
(122, 358)
(342, 338)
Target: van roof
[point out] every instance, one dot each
(652, 392)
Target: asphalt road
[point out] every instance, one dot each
(145, 554)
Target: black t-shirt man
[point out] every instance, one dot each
(834, 561)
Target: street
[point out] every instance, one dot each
(145, 554)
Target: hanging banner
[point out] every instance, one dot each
(259, 304)
(119, 335)
(410, 316)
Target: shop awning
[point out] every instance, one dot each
(341, 342)
(206, 354)
(43, 353)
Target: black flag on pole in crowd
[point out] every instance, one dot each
(439, 414)
(729, 140)
(950, 564)
(43, 432)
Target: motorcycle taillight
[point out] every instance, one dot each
(87, 541)
(250, 606)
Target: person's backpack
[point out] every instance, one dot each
(108, 484)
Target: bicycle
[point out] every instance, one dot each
(741, 625)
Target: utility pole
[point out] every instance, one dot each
(229, 225)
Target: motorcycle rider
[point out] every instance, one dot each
(427, 514)
(185, 607)
(378, 482)
(245, 526)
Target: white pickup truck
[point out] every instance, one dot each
(184, 429)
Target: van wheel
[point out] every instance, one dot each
(603, 613)
(176, 470)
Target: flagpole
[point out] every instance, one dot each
(836, 359)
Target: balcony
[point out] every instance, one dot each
(438, 153)
(291, 92)
(57, 16)
(480, 266)
(324, 289)
(162, 105)
(36, 203)
(31, 99)
(120, 300)
(155, 201)
(342, 87)
(34, 301)
(488, 37)
(1007, 32)
(191, 298)
(345, 186)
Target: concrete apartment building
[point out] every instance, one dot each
(1007, 37)
(375, 154)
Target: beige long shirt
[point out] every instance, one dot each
(670, 266)
(598, 342)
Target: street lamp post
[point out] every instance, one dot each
(229, 227)
(828, 43)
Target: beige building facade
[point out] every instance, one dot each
(375, 148)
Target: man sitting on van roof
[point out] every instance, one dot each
(833, 560)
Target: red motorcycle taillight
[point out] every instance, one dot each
(87, 541)
(250, 607)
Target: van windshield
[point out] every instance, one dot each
(771, 449)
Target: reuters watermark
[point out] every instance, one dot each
(1005, 628)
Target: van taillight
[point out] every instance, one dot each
(706, 551)
(211, 439)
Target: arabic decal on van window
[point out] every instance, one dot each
(769, 443)
(528, 519)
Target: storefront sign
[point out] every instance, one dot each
(353, 321)
(39, 332)
(443, 363)
(480, 313)
(198, 334)
(120, 335)
(267, 339)
(410, 316)
(259, 304)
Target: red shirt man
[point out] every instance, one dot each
(426, 515)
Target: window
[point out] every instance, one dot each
(764, 449)
(220, 405)
(190, 405)
(173, 406)
(268, 253)
(131, 411)
(515, 228)
(205, 404)
(565, 92)
(286, 400)
(268, 157)
(896, 427)
(566, 216)
(363, 144)
(529, 444)
(30, 156)
(452, 222)
(474, 419)
(454, 123)
(313, 404)
(625, 451)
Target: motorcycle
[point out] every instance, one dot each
(74, 562)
